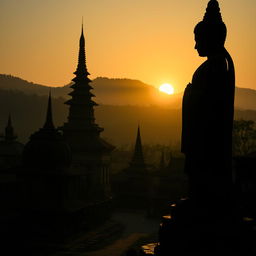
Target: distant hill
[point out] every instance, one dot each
(120, 122)
(124, 104)
(159, 125)
(120, 92)
(245, 98)
(131, 92)
(108, 91)
(9, 82)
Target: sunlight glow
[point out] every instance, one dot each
(166, 88)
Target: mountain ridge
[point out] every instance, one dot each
(120, 91)
(159, 125)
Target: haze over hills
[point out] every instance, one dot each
(108, 91)
(126, 104)
(120, 122)
(245, 98)
(120, 92)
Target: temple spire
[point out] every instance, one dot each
(82, 31)
(82, 25)
(81, 66)
(138, 159)
(81, 125)
(9, 132)
(49, 122)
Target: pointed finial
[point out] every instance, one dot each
(82, 33)
(82, 25)
(138, 139)
(49, 122)
(138, 133)
(9, 132)
(138, 159)
(81, 69)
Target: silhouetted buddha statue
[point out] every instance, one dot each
(207, 114)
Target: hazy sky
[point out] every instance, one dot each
(149, 40)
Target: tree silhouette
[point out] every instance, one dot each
(244, 137)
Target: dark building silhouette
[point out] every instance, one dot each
(10, 159)
(65, 173)
(131, 185)
(46, 149)
(46, 156)
(10, 149)
(137, 162)
(90, 153)
(149, 189)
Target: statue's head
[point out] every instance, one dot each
(210, 33)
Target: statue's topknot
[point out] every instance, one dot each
(212, 27)
(213, 14)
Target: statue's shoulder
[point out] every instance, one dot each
(217, 65)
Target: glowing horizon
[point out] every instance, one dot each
(40, 42)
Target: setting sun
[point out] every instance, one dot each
(166, 88)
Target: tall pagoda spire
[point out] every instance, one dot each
(49, 122)
(81, 112)
(81, 131)
(81, 66)
(138, 158)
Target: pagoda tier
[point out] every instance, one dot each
(81, 131)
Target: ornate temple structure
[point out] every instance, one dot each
(90, 153)
(65, 173)
(10, 157)
(10, 149)
(135, 176)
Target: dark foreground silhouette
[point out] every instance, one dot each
(209, 221)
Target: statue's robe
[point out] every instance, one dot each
(207, 120)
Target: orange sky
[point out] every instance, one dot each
(149, 40)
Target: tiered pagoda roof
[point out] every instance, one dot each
(80, 130)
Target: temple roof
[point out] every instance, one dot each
(9, 146)
(9, 131)
(47, 148)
